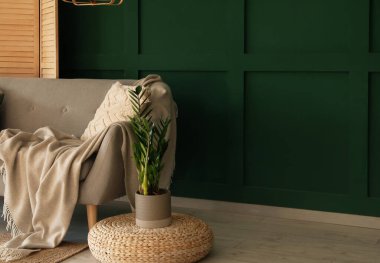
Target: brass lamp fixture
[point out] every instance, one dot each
(94, 2)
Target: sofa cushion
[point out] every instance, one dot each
(64, 104)
(115, 107)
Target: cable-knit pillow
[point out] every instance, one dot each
(115, 107)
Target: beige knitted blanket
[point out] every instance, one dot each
(41, 174)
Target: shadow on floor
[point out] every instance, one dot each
(78, 228)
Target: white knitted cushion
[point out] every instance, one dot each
(115, 107)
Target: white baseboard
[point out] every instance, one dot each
(273, 211)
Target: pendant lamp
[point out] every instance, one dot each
(94, 2)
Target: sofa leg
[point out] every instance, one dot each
(92, 214)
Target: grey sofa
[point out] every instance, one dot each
(68, 105)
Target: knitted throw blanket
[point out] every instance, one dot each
(41, 172)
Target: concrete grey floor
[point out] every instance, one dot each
(241, 237)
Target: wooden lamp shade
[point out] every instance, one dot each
(94, 2)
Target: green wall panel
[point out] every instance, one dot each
(297, 131)
(95, 74)
(277, 99)
(297, 26)
(96, 30)
(375, 25)
(185, 29)
(203, 112)
(374, 138)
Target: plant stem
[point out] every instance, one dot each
(145, 180)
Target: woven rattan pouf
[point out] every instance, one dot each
(118, 239)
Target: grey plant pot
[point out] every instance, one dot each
(153, 211)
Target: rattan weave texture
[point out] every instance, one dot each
(118, 239)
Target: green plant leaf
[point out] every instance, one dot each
(150, 145)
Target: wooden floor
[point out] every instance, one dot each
(251, 238)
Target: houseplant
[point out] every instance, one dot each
(153, 205)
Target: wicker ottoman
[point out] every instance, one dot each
(118, 239)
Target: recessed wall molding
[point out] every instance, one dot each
(297, 26)
(273, 95)
(374, 26)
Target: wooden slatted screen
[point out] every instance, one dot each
(49, 39)
(19, 38)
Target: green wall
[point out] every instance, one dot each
(279, 100)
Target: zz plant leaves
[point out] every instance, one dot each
(150, 145)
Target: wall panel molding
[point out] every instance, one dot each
(317, 56)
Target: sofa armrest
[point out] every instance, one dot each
(105, 181)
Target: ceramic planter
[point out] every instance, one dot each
(153, 211)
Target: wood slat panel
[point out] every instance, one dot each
(16, 22)
(17, 70)
(16, 59)
(13, 48)
(17, 75)
(49, 71)
(47, 22)
(48, 4)
(16, 65)
(16, 43)
(50, 31)
(16, 38)
(48, 27)
(17, 16)
(46, 65)
(46, 54)
(51, 48)
(16, 33)
(48, 40)
(7, 5)
(47, 47)
(49, 76)
(48, 10)
(49, 60)
(48, 7)
(48, 16)
(19, 38)
(26, 28)
(27, 2)
(17, 11)
(21, 54)
(37, 46)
